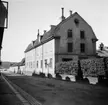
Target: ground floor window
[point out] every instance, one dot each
(41, 63)
(67, 59)
(50, 62)
(37, 64)
(45, 63)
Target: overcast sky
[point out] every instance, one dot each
(27, 16)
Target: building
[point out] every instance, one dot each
(72, 39)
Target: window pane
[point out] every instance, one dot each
(70, 47)
(45, 63)
(37, 64)
(51, 62)
(82, 47)
(82, 34)
(69, 33)
(41, 63)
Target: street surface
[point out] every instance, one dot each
(56, 92)
(7, 97)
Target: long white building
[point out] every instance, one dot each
(72, 39)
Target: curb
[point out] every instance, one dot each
(24, 97)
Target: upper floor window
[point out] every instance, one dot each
(82, 47)
(70, 47)
(69, 33)
(82, 34)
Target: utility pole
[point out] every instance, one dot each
(3, 21)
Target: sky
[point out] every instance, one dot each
(25, 17)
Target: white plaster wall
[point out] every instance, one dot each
(38, 57)
(29, 62)
(49, 52)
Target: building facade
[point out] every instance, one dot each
(72, 39)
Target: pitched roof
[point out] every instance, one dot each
(22, 62)
(30, 46)
(51, 32)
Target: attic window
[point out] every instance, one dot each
(76, 22)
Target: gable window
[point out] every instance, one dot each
(82, 34)
(69, 33)
(70, 47)
(76, 22)
(82, 47)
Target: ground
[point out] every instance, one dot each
(56, 92)
(7, 96)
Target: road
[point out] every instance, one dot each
(7, 96)
(56, 92)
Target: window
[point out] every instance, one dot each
(82, 34)
(45, 63)
(31, 64)
(76, 22)
(41, 63)
(66, 59)
(69, 33)
(82, 47)
(70, 47)
(51, 62)
(37, 64)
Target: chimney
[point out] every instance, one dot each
(38, 36)
(62, 17)
(41, 37)
(70, 12)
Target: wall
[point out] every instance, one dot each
(29, 62)
(49, 52)
(69, 24)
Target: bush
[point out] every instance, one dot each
(58, 76)
(42, 75)
(68, 79)
(49, 75)
(69, 68)
(92, 67)
(34, 74)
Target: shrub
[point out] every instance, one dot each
(42, 74)
(68, 79)
(49, 75)
(69, 68)
(34, 74)
(58, 76)
(92, 67)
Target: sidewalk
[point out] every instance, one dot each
(7, 96)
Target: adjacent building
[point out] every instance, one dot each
(72, 39)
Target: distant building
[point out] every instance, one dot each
(72, 39)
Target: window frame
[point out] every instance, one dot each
(82, 47)
(68, 48)
(69, 33)
(82, 34)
